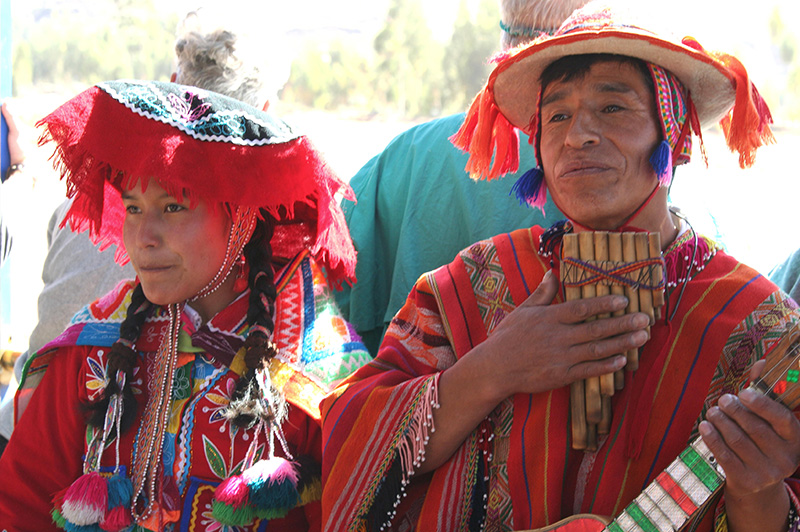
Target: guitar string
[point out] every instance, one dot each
(794, 352)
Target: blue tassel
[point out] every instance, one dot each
(71, 527)
(529, 188)
(120, 491)
(661, 161)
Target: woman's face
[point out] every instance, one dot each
(176, 250)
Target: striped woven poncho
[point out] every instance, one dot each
(517, 471)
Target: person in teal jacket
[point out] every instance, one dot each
(416, 206)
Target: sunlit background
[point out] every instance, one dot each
(358, 72)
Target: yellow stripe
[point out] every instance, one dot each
(547, 455)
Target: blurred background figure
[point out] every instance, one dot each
(416, 206)
(227, 52)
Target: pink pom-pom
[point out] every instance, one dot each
(233, 491)
(276, 470)
(118, 519)
(273, 484)
(86, 500)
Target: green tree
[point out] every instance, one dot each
(329, 76)
(407, 70)
(785, 42)
(465, 65)
(61, 47)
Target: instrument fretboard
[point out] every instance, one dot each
(675, 495)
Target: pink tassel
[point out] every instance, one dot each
(86, 500)
(233, 492)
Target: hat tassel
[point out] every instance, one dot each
(661, 161)
(747, 126)
(490, 139)
(530, 188)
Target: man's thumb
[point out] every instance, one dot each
(545, 292)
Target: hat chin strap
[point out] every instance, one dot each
(626, 224)
(243, 223)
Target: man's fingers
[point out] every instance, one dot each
(757, 370)
(583, 309)
(609, 346)
(775, 414)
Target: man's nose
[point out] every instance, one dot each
(583, 129)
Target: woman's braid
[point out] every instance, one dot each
(122, 357)
(247, 407)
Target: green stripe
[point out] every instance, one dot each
(641, 518)
(614, 527)
(698, 465)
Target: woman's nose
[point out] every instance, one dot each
(148, 231)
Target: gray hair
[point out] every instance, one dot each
(523, 20)
(214, 52)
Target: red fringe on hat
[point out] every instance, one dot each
(747, 125)
(102, 145)
(489, 138)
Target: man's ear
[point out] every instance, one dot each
(173, 77)
(266, 106)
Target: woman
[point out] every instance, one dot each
(211, 364)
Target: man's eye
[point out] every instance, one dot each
(613, 108)
(559, 117)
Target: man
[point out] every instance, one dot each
(416, 188)
(463, 420)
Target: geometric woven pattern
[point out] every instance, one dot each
(489, 282)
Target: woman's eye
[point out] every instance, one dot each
(613, 108)
(558, 117)
(131, 209)
(174, 207)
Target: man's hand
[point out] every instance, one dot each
(756, 440)
(540, 346)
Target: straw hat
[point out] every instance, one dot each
(718, 86)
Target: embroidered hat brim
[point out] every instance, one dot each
(515, 81)
(200, 145)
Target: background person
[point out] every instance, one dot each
(415, 208)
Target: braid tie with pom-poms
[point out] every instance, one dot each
(247, 406)
(122, 357)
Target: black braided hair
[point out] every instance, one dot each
(246, 407)
(121, 356)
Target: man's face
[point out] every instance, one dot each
(598, 132)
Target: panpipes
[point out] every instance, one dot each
(598, 263)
